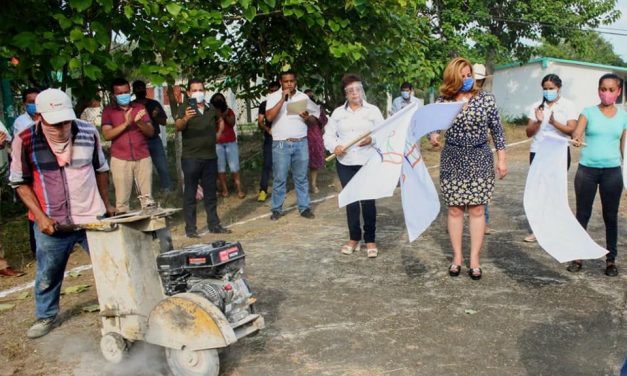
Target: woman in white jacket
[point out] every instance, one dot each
(348, 122)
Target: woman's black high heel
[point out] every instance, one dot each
(454, 270)
(475, 273)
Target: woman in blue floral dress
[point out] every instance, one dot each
(467, 172)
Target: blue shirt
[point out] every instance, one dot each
(399, 103)
(603, 135)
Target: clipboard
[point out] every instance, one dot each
(297, 108)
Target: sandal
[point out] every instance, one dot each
(372, 252)
(454, 270)
(574, 266)
(475, 273)
(348, 250)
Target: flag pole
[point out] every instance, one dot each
(358, 139)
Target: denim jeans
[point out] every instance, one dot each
(157, 153)
(228, 153)
(266, 169)
(205, 172)
(610, 184)
(286, 155)
(486, 214)
(52, 255)
(355, 210)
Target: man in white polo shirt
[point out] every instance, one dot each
(289, 143)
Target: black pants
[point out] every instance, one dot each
(266, 168)
(205, 172)
(610, 184)
(355, 210)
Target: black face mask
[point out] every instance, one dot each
(140, 94)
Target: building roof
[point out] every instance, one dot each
(544, 61)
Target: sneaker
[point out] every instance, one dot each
(217, 229)
(193, 235)
(610, 269)
(41, 327)
(275, 216)
(263, 196)
(307, 213)
(531, 238)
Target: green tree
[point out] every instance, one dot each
(584, 46)
(83, 44)
(500, 31)
(386, 42)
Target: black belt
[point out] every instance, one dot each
(466, 146)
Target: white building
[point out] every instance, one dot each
(517, 86)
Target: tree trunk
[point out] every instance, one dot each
(178, 142)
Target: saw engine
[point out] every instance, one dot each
(213, 271)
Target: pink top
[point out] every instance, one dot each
(130, 145)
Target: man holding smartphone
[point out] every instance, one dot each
(200, 127)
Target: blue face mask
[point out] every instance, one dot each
(467, 85)
(550, 95)
(405, 94)
(31, 108)
(123, 99)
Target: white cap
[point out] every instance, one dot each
(480, 72)
(55, 106)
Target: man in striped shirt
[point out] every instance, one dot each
(59, 171)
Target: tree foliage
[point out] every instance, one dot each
(385, 42)
(504, 30)
(83, 44)
(583, 46)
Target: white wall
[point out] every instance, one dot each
(517, 88)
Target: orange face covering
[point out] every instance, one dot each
(60, 141)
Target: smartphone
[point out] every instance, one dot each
(193, 103)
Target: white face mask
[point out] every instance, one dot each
(199, 96)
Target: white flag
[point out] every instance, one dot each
(546, 205)
(379, 176)
(421, 204)
(397, 150)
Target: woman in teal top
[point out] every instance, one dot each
(604, 127)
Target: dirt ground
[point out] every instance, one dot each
(400, 314)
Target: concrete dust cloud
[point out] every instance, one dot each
(142, 360)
